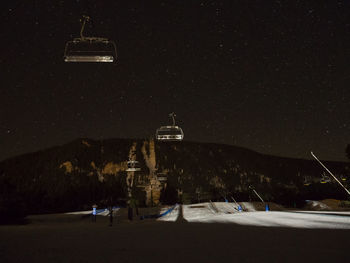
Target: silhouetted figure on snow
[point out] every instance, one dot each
(110, 216)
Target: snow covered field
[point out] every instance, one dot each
(101, 212)
(214, 232)
(220, 212)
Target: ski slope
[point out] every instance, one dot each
(220, 212)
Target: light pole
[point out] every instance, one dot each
(267, 208)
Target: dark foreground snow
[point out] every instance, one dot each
(73, 238)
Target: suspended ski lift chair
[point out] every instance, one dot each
(307, 181)
(90, 49)
(170, 133)
(343, 178)
(162, 177)
(325, 179)
(133, 166)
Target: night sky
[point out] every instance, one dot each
(271, 76)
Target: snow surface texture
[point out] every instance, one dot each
(317, 204)
(101, 212)
(228, 213)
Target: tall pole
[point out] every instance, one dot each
(255, 192)
(335, 178)
(234, 201)
(258, 196)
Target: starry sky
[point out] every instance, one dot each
(271, 76)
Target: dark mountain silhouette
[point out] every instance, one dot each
(85, 171)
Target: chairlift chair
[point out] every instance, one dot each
(162, 177)
(90, 49)
(325, 179)
(307, 181)
(170, 133)
(133, 166)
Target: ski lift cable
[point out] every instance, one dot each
(335, 178)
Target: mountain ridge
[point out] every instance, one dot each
(141, 139)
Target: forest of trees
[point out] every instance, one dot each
(37, 182)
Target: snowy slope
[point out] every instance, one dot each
(226, 213)
(247, 206)
(172, 216)
(222, 212)
(102, 212)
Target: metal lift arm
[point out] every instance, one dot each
(173, 115)
(83, 20)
